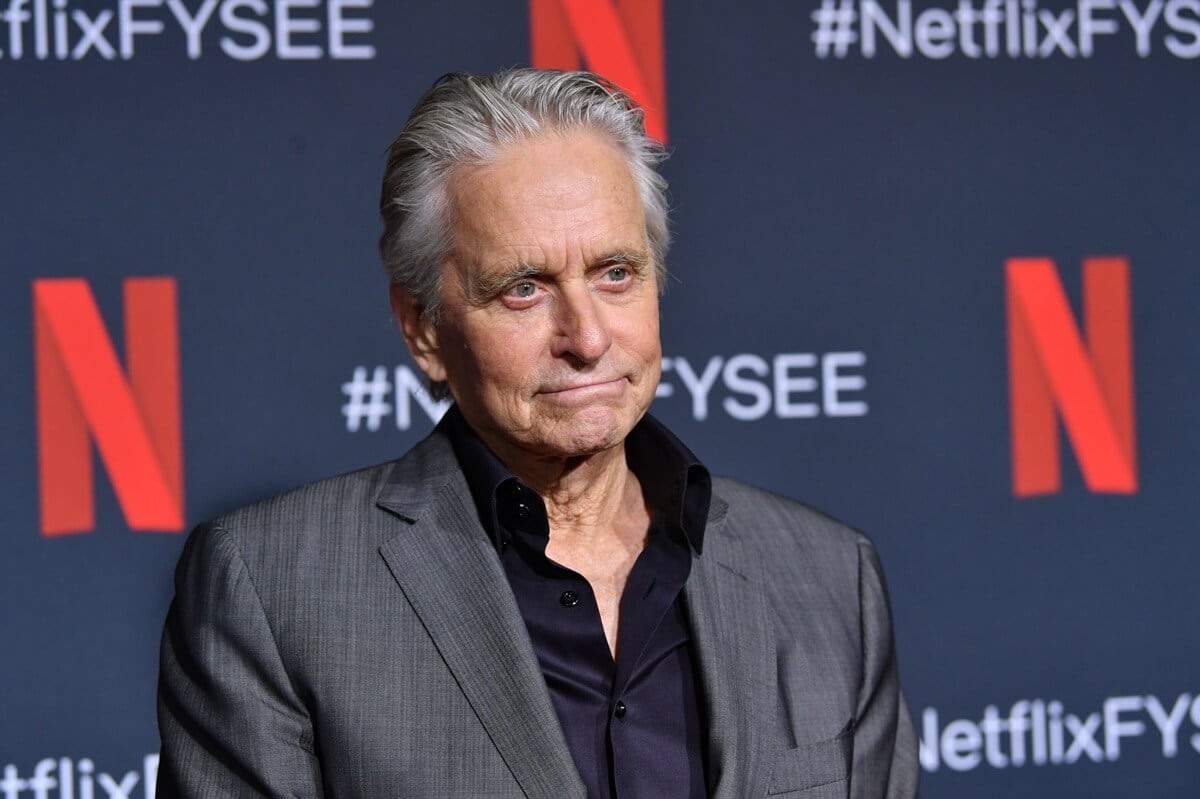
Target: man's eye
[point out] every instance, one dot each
(617, 274)
(523, 290)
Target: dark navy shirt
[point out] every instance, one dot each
(634, 727)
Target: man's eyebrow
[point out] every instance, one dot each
(635, 259)
(481, 288)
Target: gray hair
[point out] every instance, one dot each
(465, 119)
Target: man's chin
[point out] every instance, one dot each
(588, 431)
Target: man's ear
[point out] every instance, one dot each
(419, 333)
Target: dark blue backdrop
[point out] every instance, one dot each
(862, 204)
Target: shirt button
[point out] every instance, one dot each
(523, 509)
(568, 599)
(620, 710)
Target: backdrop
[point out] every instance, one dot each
(934, 273)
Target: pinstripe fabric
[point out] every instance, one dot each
(357, 638)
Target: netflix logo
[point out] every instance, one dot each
(1083, 378)
(619, 39)
(84, 396)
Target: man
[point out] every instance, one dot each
(549, 596)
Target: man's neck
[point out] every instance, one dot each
(598, 522)
(587, 497)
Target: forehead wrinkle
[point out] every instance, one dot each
(510, 221)
(496, 250)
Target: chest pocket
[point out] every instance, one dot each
(819, 770)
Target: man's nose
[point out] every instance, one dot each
(581, 329)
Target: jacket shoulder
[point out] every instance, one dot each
(338, 520)
(778, 518)
(792, 537)
(346, 501)
(328, 500)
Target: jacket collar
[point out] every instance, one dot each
(441, 561)
(734, 647)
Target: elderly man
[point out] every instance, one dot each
(548, 596)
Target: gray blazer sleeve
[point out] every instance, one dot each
(885, 746)
(231, 723)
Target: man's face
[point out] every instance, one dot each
(548, 335)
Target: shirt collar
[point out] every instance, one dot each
(675, 483)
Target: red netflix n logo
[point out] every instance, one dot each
(134, 420)
(1089, 383)
(620, 39)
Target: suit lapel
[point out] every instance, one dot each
(449, 573)
(735, 649)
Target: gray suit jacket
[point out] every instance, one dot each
(357, 637)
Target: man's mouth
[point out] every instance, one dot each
(586, 392)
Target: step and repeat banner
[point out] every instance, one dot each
(935, 272)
